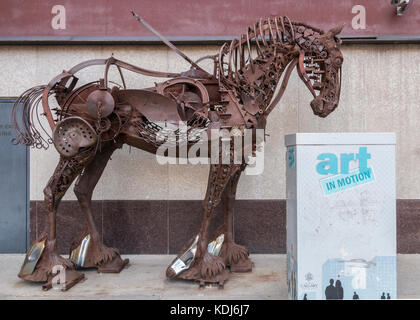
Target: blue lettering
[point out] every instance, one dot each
(367, 174)
(330, 185)
(329, 162)
(341, 182)
(363, 157)
(345, 159)
(329, 166)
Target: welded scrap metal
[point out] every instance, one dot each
(97, 118)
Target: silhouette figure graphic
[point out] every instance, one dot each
(330, 291)
(383, 296)
(305, 297)
(388, 296)
(355, 296)
(339, 289)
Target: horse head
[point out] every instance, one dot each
(319, 66)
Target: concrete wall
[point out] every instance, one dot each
(379, 93)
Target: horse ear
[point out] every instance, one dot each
(335, 31)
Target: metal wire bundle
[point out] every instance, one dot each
(27, 108)
(157, 135)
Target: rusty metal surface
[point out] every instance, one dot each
(100, 104)
(94, 120)
(71, 134)
(154, 106)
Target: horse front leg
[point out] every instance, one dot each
(205, 267)
(235, 256)
(88, 249)
(42, 260)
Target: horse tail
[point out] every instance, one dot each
(25, 114)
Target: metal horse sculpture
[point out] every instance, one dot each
(94, 120)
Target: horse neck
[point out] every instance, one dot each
(258, 75)
(271, 62)
(274, 55)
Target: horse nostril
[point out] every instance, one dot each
(317, 106)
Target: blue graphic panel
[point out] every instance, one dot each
(347, 181)
(366, 279)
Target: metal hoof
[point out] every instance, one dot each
(244, 265)
(32, 257)
(114, 266)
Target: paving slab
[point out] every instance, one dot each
(145, 279)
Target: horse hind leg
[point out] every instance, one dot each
(42, 260)
(96, 254)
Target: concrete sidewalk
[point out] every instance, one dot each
(145, 279)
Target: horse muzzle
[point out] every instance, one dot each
(322, 108)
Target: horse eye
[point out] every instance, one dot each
(338, 61)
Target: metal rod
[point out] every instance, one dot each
(166, 41)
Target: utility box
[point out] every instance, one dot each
(341, 216)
